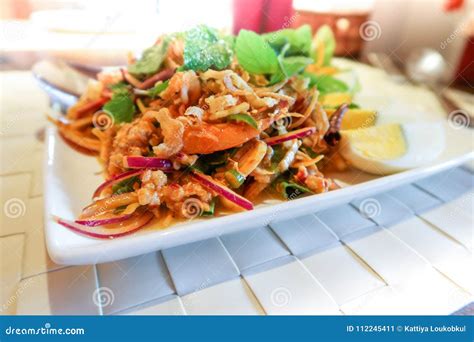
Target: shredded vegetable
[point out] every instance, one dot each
(205, 123)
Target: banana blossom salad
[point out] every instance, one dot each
(205, 124)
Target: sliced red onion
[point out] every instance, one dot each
(114, 180)
(139, 162)
(222, 190)
(297, 134)
(101, 222)
(149, 82)
(129, 226)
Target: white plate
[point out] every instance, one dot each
(70, 179)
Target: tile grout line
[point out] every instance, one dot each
(161, 300)
(452, 281)
(318, 283)
(229, 255)
(180, 265)
(443, 232)
(418, 215)
(168, 272)
(50, 271)
(359, 257)
(278, 237)
(12, 234)
(446, 173)
(423, 258)
(429, 193)
(158, 254)
(351, 250)
(403, 242)
(97, 287)
(260, 305)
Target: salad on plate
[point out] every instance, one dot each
(206, 124)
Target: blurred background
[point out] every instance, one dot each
(101, 32)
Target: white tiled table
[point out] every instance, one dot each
(414, 257)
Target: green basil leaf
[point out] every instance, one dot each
(120, 88)
(295, 65)
(121, 108)
(158, 88)
(245, 118)
(291, 190)
(205, 49)
(354, 106)
(207, 163)
(299, 40)
(211, 210)
(125, 186)
(254, 54)
(325, 36)
(150, 62)
(289, 66)
(326, 83)
(278, 155)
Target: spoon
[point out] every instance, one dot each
(63, 84)
(428, 67)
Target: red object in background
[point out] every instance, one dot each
(452, 5)
(262, 15)
(247, 15)
(278, 15)
(465, 72)
(465, 69)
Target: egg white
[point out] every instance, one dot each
(424, 142)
